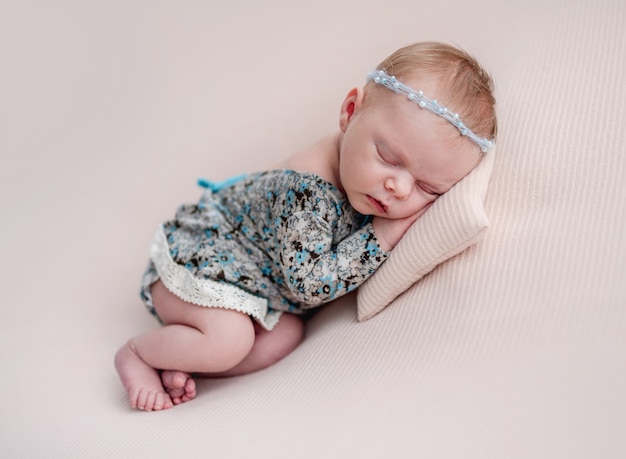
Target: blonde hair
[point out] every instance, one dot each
(466, 87)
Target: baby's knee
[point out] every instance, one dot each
(239, 339)
(291, 328)
(231, 340)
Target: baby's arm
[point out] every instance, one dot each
(315, 270)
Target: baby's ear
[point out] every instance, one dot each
(350, 106)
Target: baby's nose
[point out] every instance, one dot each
(400, 187)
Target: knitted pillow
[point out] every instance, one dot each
(454, 222)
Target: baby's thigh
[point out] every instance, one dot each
(173, 310)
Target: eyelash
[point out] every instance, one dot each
(385, 160)
(381, 156)
(431, 193)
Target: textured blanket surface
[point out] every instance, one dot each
(109, 111)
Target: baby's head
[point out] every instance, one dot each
(420, 124)
(455, 81)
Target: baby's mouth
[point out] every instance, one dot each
(377, 204)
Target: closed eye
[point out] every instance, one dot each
(385, 157)
(428, 190)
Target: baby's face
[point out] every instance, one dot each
(397, 158)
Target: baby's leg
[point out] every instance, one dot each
(193, 339)
(269, 348)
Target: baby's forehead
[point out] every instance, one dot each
(407, 128)
(430, 94)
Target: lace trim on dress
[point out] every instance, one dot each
(207, 292)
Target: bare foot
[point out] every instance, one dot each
(141, 381)
(179, 385)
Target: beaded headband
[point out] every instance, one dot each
(380, 77)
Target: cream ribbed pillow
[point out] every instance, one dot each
(454, 222)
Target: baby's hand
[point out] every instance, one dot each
(389, 231)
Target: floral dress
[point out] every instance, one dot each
(264, 244)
